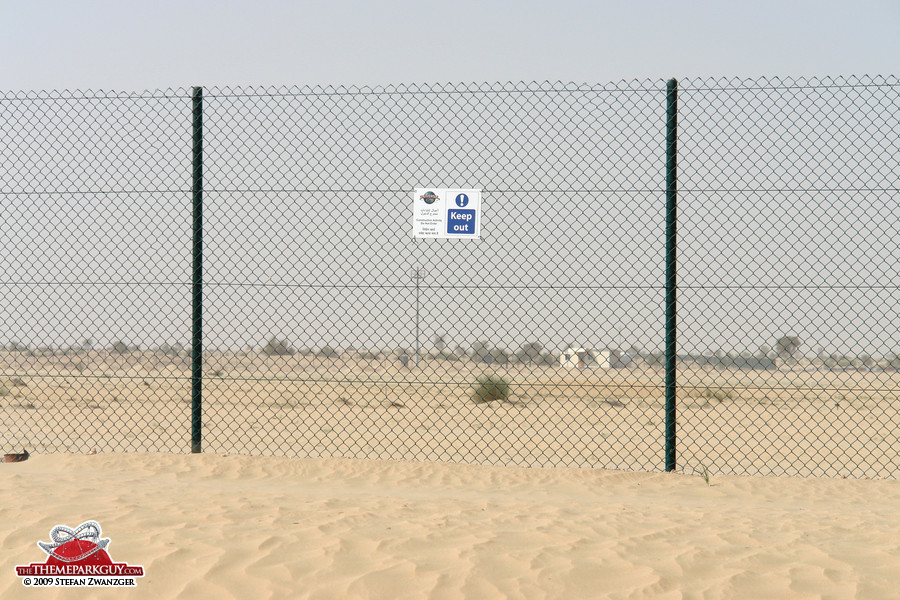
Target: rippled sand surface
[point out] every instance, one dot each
(215, 526)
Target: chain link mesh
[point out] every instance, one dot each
(95, 260)
(788, 256)
(329, 330)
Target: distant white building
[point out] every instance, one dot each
(589, 358)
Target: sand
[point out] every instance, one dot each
(798, 423)
(336, 478)
(215, 526)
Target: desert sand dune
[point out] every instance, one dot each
(213, 526)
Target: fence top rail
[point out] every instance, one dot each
(787, 83)
(80, 95)
(341, 90)
(534, 87)
(440, 88)
(634, 86)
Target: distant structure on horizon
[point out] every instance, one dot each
(589, 358)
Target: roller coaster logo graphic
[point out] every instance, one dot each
(78, 558)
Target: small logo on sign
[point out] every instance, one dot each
(78, 558)
(428, 197)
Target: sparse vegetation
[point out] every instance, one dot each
(120, 347)
(786, 347)
(327, 352)
(171, 349)
(440, 343)
(276, 347)
(490, 388)
(894, 362)
(481, 351)
(718, 394)
(655, 359)
(499, 356)
(529, 353)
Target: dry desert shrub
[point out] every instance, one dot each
(490, 388)
(719, 394)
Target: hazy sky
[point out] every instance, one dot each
(133, 46)
(136, 45)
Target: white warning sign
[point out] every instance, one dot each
(446, 213)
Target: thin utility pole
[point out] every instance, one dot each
(418, 276)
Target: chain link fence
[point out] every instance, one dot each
(328, 329)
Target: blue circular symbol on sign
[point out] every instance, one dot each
(462, 200)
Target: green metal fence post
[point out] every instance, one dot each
(671, 222)
(197, 276)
